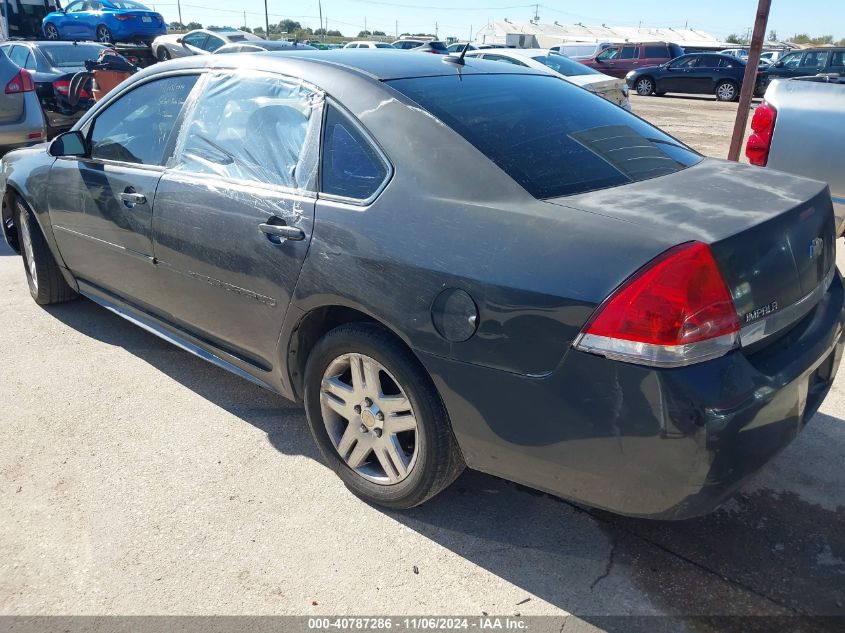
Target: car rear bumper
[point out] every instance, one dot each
(656, 443)
(29, 129)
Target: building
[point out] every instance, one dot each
(531, 35)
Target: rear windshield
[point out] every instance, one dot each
(129, 4)
(564, 65)
(72, 56)
(438, 46)
(550, 136)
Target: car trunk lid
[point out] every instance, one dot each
(773, 235)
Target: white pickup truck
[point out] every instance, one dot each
(800, 129)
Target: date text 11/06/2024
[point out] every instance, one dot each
(483, 623)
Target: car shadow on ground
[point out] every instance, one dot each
(764, 552)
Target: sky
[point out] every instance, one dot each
(461, 17)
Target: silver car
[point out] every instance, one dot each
(21, 117)
(613, 89)
(197, 42)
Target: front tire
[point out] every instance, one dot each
(46, 283)
(377, 417)
(644, 86)
(51, 32)
(163, 54)
(104, 34)
(727, 91)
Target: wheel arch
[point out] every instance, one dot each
(650, 78)
(311, 325)
(41, 218)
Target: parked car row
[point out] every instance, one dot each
(608, 316)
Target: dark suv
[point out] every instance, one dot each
(618, 59)
(810, 61)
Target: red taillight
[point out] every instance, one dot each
(675, 311)
(760, 141)
(22, 82)
(62, 86)
(122, 17)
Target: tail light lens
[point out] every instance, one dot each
(674, 311)
(22, 82)
(122, 17)
(760, 141)
(62, 86)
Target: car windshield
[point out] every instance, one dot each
(438, 46)
(383, 45)
(128, 4)
(564, 65)
(71, 56)
(549, 135)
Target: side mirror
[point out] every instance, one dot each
(69, 144)
(179, 40)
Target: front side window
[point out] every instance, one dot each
(76, 7)
(254, 127)
(548, 135)
(686, 62)
(791, 60)
(351, 167)
(608, 54)
(195, 39)
(137, 126)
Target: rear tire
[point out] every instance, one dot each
(51, 32)
(727, 91)
(342, 421)
(104, 35)
(46, 283)
(644, 86)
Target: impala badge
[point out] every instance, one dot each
(816, 247)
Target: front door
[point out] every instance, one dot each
(234, 215)
(677, 75)
(101, 206)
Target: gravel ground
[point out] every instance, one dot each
(137, 479)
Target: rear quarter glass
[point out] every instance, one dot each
(553, 138)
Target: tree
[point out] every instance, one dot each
(381, 33)
(364, 33)
(245, 29)
(259, 31)
(733, 38)
(176, 26)
(289, 26)
(193, 25)
(773, 36)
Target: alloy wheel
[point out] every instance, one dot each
(26, 238)
(726, 92)
(51, 32)
(644, 87)
(369, 419)
(103, 34)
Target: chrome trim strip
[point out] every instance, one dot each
(758, 330)
(656, 355)
(175, 340)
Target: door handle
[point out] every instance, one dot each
(131, 198)
(278, 233)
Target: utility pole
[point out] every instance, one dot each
(436, 31)
(178, 8)
(365, 25)
(244, 18)
(470, 33)
(323, 34)
(397, 29)
(749, 78)
(266, 21)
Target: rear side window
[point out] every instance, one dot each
(565, 66)
(351, 167)
(254, 127)
(550, 136)
(661, 52)
(136, 127)
(629, 52)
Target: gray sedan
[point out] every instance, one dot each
(21, 117)
(450, 264)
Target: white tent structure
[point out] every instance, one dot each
(531, 35)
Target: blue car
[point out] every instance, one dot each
(104, 21)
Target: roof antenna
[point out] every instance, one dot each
(457, 61)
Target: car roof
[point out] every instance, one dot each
(383, 65)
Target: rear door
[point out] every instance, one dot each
(837, 63)
(654, 54)
(629, 59)
(101, 206)
(705, 74)
(234, 212)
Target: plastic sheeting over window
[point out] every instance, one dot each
(254, 128)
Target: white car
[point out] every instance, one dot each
(197, 42)
(613, 89)
(367, 44)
